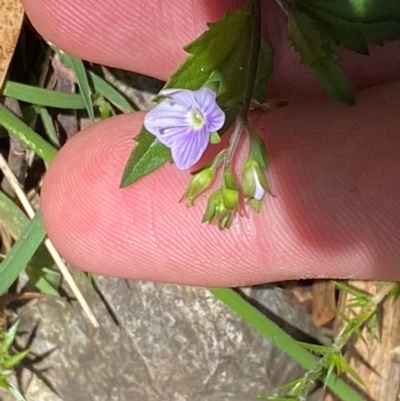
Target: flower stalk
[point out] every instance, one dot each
(241, 121)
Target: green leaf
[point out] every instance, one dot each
(230, 75)
(23, 132)
(258, 150)
(48, 125)
(350, 289)
(315, 53)
(110, 93)
(11, 216)
(210, 50)
(318, 349)
(21, 253)
(355, 23)
(105, 108)
(341, 366)
(264, 71)
(79, 70)
(7, 338)
(148, 155)
(43, 97)
(395, 292)
(14, 360)
(45, 280)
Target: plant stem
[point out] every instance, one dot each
(242, 118)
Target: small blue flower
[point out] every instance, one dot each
(184, 121)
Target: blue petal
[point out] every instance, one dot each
(183, 97)
(187, 150)
(213, 114)
(164, 115)
(168, 136)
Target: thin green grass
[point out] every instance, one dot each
(8, 361)
(26, 134)
(77, 66)
(46, 280)
(281, 340)
(48, 125)
(21, 253)
(110, 93)
(43, 97)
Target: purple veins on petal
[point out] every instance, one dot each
(188, 149)
(183, 122)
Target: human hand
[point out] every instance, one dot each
(334, 169)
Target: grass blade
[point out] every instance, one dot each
(21, 253)
(110, 93)
(26, 134)
(48, 125)
(79, 70)
(43, 97)
(11, 216)
(15, 221)
(281, 339)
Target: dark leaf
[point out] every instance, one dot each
(264, 71)
(355, 23)
(315, 53)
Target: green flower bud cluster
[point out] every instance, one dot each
(223, 203)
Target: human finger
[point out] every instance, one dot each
(148, 37)
(335, 213)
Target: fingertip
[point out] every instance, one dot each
(141, 231)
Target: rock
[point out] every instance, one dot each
(156, 342)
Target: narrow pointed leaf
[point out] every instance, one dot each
(148, 155)
(8, 337)
(110, 93)
(79, 70)
(43, 97)
(23, 132)
(14, 360)
(21, 252)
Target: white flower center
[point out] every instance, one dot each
(196, 118)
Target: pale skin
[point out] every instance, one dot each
(335, 170)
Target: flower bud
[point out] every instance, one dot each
(214, 207)
(198, 184)
(230, 191)
(223, 203)
(253, 181)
